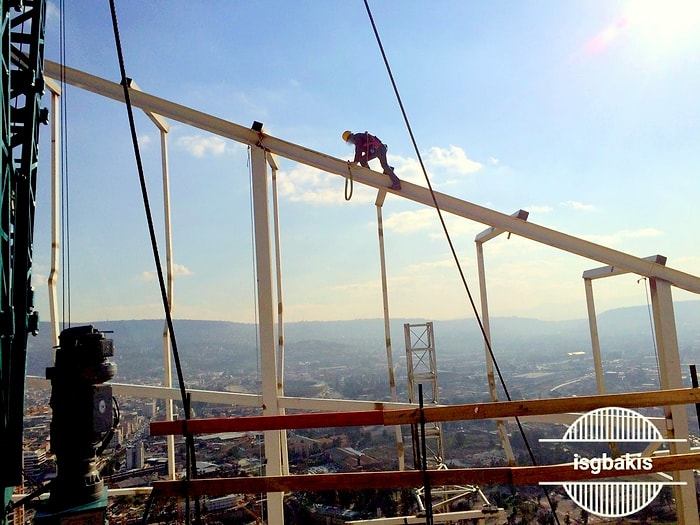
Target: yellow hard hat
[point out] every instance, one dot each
(346, 135)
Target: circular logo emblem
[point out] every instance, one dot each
(605, 498)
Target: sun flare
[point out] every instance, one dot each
(666, 25)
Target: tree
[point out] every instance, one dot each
(584, 516)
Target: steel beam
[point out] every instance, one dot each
(377, 180)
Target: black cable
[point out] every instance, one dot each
(487, 342)
(65, 207)
(190, 473)
(148, 507)
(427, 489)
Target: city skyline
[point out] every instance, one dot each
(572, 112)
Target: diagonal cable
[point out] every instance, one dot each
(449, 239)
(190, 472)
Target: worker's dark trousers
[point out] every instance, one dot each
(380, 153)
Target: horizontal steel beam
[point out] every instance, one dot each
(609, 271)
(232, 398)
(446, 203)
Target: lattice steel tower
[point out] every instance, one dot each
(422, 369)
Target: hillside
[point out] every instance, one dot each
(218, 345)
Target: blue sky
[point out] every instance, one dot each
(584, 113)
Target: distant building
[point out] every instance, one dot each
(34, 462)
(350, 459)
(117, 438)
(223, 503)
(302, 445)
(206, 467)
(135, 457)
(129, 423)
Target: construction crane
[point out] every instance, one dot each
(22, 88)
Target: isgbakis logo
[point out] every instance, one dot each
(605, 463)
(612, 499)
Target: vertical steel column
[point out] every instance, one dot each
(670, 376)
(170, 284)
(266, 319)
(284, 453)
(162, 124)
(589, 276)
(490, 373)
(379, 202)
(595, 339)
(481, 238)
(12, 471)
(55, 209)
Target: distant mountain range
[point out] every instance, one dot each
(217, 345)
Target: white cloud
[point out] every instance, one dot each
(427, 219)
(616, 238)
(178, 270)
(575, 205)
(428, 266)
(200, 145)
(412, 221)
(181, 269)
(440, 163)
(307, 184)
(52, 12)
(453, 159)
(539, 209)
(644, 232)
(145, 141)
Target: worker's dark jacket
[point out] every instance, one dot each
(366, 145)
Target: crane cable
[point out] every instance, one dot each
(449, 239)
(191, 471)
(65, 193)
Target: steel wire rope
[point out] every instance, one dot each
(487, 342)
(191, 471)
(651, 327)
(65, 202)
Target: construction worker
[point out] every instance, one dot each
(368, 147)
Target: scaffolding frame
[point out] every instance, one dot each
(263, 148)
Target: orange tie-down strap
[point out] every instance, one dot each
(409, 416)
(548, 474)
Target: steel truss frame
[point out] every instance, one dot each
(22, 88)
(264, 148)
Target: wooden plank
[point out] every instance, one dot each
(258, 423)
(414, 478)
(493, 410)
(538, 407)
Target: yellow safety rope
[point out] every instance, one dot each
(348, 196)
